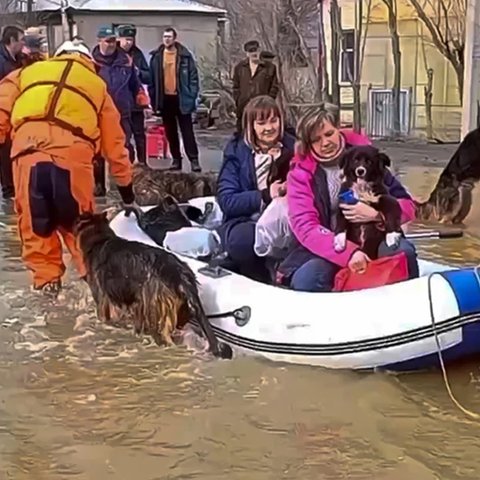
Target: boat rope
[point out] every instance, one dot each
(466, 411)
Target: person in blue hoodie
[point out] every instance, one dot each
(118, 71)
(127, 36)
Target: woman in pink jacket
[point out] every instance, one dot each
(313, 185)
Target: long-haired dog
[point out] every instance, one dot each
(151, 286)
(167, 216)
(364, 171)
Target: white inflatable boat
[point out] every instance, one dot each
(396, 327)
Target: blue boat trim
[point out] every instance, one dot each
(464, 284)
(347, 347)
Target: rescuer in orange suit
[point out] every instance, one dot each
(59, 116)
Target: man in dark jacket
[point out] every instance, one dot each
(252, 77)
(174, 92)
(116, 68)
(126, 37)
(11, 46)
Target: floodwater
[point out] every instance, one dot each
(82, 401)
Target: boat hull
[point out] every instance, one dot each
(389, 328)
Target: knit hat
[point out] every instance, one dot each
(127, 31)
(106, 32)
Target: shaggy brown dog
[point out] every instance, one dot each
(149, 285)
(451, 199)
(364, 172)
(151, 186)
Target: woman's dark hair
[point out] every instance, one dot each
(9, 32)
(171, 30)
(260, 109)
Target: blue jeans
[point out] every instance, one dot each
(318, 274)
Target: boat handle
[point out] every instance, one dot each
(241, 315)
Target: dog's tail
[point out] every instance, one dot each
(195, 308)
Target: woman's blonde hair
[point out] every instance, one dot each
(313, 118)
(260, 109)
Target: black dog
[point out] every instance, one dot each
(151, 286)
(364, 171)
(168, 216)
(280, 167)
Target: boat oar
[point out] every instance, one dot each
(434, 234)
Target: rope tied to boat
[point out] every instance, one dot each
(466, 411)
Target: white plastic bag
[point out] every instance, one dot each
(272, 232)
(193, 242)
(215, 218)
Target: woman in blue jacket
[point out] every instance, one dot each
(253, 173)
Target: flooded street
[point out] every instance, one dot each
(79, 400)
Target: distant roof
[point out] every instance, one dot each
(180, 6)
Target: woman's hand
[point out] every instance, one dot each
(360, 213)
(278, 189)
(358, 262)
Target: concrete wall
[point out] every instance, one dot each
(197, 32)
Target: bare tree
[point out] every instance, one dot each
(397, 63)
(428, 93)
(361, 35)
(336, 32)
(445, 21)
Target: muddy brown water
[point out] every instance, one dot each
(81, 401)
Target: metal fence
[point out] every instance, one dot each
(380, 112)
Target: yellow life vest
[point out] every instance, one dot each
(63, 91)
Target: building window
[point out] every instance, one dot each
(348, 56)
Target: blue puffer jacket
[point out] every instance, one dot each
(237, 194)
(188, 84)
(121, 77)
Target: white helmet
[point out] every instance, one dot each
(72, 47)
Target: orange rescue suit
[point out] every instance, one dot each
(59, 116)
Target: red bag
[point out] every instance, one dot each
(380, 272)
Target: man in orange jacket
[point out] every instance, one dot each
(59, 116)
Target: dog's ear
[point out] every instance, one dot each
(384, 159)
(346, 157)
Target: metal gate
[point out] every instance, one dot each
(380, 112)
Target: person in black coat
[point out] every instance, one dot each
(11, 46)
(126, 37)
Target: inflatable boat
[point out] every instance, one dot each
(398, 327)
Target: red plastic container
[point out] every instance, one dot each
(157, 145)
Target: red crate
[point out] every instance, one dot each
(157, 144)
